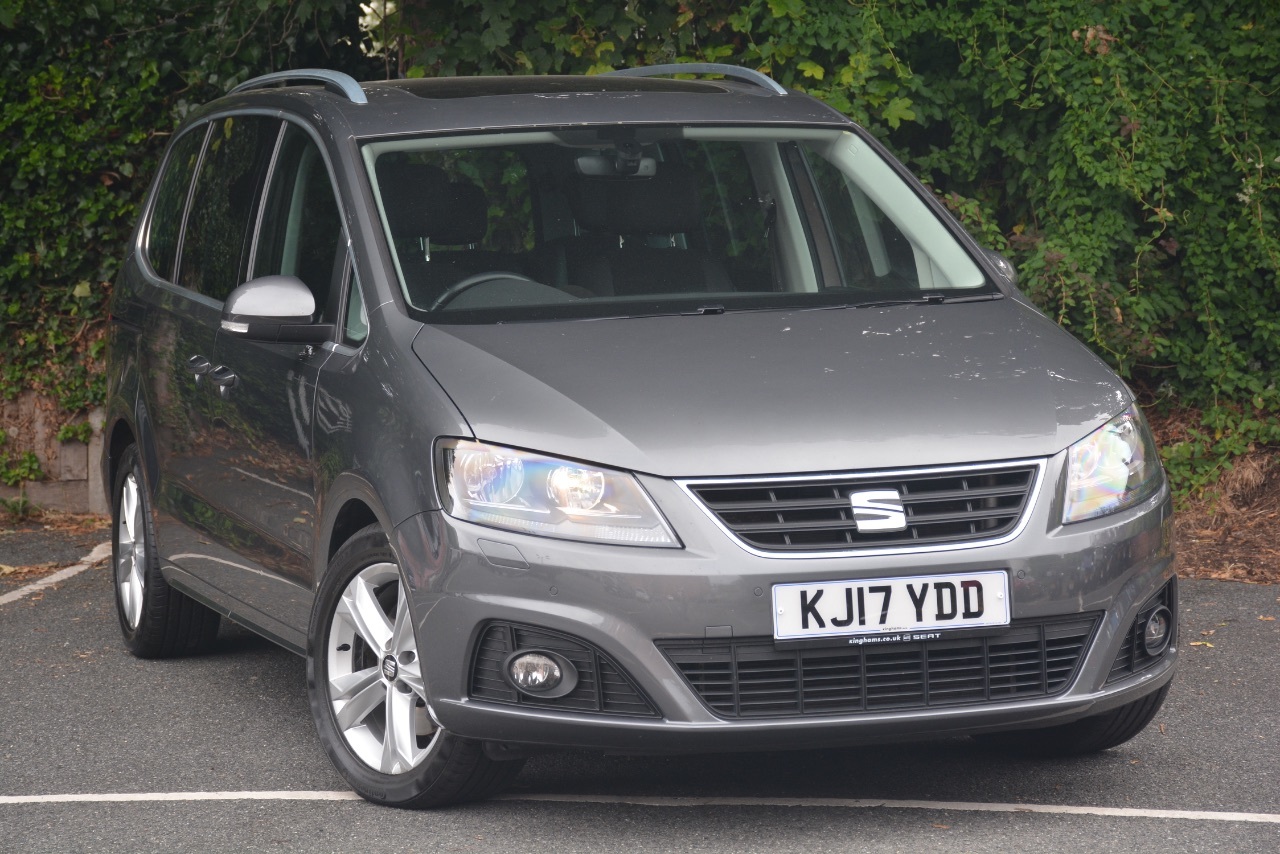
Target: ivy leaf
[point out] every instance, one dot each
(82, 290)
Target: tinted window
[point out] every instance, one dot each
(171, 201)
(604, 222)
(733, 214)
(223, 208)
(301, 226)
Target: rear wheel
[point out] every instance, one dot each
(156, 620)
(368, 696)
(1087, 735)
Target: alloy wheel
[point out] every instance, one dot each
(131, 552)
(374, 676)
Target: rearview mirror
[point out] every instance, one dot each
(273, 308)
(609, 166)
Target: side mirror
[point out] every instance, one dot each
(273, 308)
(1004, 267)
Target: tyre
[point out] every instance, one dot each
(156, 620)
(368, 698)
(1087, 735)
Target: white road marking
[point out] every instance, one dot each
(178, 796)
(657, 801)
(100, 552)
(874, 803)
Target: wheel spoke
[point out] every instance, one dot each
(366, 615)
(402, 631)
(129, 508)
(351, 713)
(124, 564)
(135, 584)
(411, 675)
(400, 742)
(126, 594)
(345, 687)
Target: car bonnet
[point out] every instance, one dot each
(779, 391)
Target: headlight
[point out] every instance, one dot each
(534, 494)
(1112, 468)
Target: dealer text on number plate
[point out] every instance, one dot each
(913, 607)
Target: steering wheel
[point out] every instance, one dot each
(451, 293)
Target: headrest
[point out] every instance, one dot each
(667, 203)
(421, 201)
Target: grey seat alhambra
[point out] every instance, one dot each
(616, 412)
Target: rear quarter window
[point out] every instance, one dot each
(215, 245)
(165, 224)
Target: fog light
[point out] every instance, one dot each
(540, 673)
(1156, 632)
(535, 672)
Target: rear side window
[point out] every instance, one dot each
(301, 225)
(223, 207)
(171, 201)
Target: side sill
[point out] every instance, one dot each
(237, 611)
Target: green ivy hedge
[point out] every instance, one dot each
(1126, 156)
(89, 92)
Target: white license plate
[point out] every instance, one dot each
(916, 607)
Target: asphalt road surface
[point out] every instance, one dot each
(218, 753)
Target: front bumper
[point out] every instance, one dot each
(621, 600)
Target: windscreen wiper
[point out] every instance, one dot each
(931, 298)
(700, 311)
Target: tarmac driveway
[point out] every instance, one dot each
(80, 717)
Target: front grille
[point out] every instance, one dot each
(943, 506)
(1133, 656)
(750, 678)
(602, 686)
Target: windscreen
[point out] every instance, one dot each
(626, 221)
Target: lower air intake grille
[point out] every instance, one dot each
(603, 686)
(1133, 656)
(815, 513)
(750, 678)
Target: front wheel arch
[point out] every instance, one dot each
(350, 504)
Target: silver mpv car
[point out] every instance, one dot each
(616, 412)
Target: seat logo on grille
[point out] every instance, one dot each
(878, 510)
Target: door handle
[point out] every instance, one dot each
(225, 379)
(199, 366)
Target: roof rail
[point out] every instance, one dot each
(736, 72)
(334, 81)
